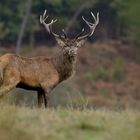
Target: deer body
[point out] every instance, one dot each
(30, 71)
(40, 73)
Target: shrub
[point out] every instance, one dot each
(118, 70)
(99, 73)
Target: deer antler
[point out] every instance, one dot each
(92, 27)
(48, 26)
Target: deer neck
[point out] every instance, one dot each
(65, 65)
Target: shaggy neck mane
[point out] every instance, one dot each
(64, 64)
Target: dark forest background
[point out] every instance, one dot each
(118, 19)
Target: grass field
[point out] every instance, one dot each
(22, 123)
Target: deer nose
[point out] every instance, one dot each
(71, 51)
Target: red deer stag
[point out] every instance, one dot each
(40, 73)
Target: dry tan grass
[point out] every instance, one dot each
(67, 124)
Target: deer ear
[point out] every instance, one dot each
(61, 42)
(80, 43)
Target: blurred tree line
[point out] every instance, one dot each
(118, 19)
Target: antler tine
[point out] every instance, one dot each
(48, 26)
(96, 19)
(87, 22)
(93, 16)
(65, 35)
(44, 14)
(80, 33)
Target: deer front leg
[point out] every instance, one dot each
(40, 94)
(48, 85)
(46, 96)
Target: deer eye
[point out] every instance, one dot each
(65, 47)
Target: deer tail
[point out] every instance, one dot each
(1, 76)
(2, 67)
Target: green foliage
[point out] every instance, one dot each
(118, 70)
(98, 73)
(131, 20)
(103, 92)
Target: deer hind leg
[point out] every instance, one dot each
(6, 88)
(9, 82)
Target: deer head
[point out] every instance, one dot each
(70, 46)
